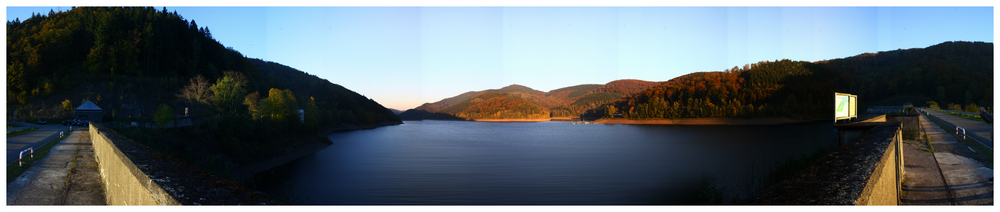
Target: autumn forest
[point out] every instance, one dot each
(958, 74)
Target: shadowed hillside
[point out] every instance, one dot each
(144, 64)
(959, 73)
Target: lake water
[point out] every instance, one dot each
(548, 163)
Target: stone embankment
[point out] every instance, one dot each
(866, 171)
(137, 175)
(889, 160)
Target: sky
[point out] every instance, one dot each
(403, 57)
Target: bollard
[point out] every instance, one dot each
(963, 131)
(20, 156)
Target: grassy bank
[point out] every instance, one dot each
(966, 116)
(13, 133)
(14, 170)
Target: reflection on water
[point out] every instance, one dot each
(553, 163)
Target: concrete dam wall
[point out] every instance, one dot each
(868, 168)
(125, 183)
(134, 174)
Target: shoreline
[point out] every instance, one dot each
(352, 127)
(512, 120)
(292, 153)
(566, 118)
(684, 121)
(707, 121)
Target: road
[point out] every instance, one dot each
(34, 139)
(962, 112)
(980, 131)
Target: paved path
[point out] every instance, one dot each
(940, 172)
(980, 131)
(34, 139)
(924, 184)
(45, 183)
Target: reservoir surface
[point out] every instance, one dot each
(542, 163)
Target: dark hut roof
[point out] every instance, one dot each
(88, 106)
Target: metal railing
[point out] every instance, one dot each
(20, 156)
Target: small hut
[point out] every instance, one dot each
(89, 111)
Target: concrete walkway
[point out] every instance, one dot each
(940, 172)
(67, 175)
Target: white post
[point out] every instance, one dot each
(963, 133)
(20, 156)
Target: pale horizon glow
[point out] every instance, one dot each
(403, 57)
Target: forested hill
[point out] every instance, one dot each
(337, 104)
(453, 108)
(601, 95)
(139, 64)
(567, 101)
(958, 73)
(778, 88)
(151, 55)
(448, 102)
(496, 105)
(47, 54)
(626, 87)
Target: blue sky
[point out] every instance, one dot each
(405, 56)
